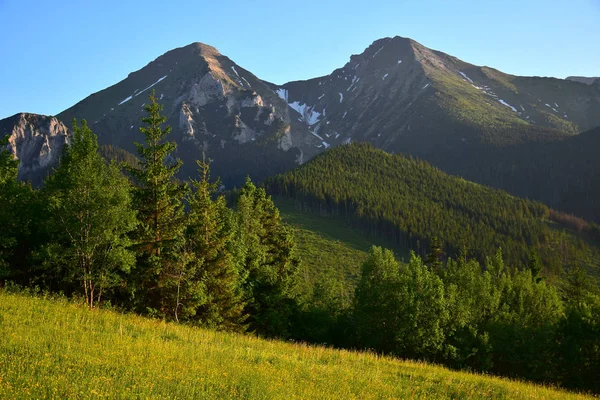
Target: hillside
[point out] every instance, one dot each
(59, 349)
(562, 174)
(410, 202)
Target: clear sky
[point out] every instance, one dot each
(54, 53)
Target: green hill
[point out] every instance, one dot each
(408, 202)
(59, 349)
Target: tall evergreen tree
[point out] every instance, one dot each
(91, 217)
(209, 233)
(535, 265)
(158, 199)
(270, 260)
(11, 193)
(436, 252)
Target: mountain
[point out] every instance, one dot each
(403, 97)
(36, 140)
(212, 104)
(398, 95)
(410, 201)
(583, 79)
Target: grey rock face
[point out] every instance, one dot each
(213, 105)
(583, 79)
(36, 141)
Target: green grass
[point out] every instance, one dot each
(59, 349)
(328, 247)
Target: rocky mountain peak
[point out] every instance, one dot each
(213, 105)
(35, 140)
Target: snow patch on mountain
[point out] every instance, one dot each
(149, 87)
(283, 94)
(316, 134)
(465, 76)
(341, 97)
(354, 81)
(308, 114)
(126, 100)
(507, 105)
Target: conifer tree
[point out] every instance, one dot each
(158, 199)
(209, 233)
(8, 165)
(90, 217)
(270, 261)
(436, 252)
(535, 265)
(10, 191)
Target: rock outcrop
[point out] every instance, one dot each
(36, 141)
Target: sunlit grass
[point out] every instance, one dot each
(58, 349)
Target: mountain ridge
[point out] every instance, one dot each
(397, 94)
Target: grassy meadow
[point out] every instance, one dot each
(55, 348)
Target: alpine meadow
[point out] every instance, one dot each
(406, 225)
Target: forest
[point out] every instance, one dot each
(411, 201)
(494, 283)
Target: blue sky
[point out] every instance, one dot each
(55, 53)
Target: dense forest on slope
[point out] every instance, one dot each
(562, 174)
(411, 202)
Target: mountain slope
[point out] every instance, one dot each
(59, 349)
(212, 104)
(563, 175)
(583, 79)
(410, 202)
(402, 96)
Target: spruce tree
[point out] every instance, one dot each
(90, 218)
(436, 252)
(8, 164)
(158, 199)
(270, 261)
(535, 265)
(209, 234)
(11, 196)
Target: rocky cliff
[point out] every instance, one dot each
(36, 140)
